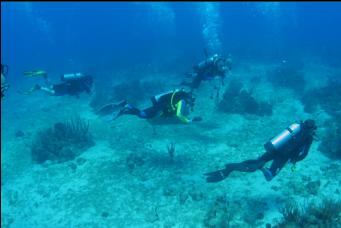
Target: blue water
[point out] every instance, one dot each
(126, 41)
(60, 36)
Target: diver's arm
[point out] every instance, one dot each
(303, 151)
(181, 107)
(304, 154)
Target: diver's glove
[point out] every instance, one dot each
(196, 119)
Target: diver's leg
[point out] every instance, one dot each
(149, 113)
(252, 164)
(245, 166)
(131, 110)
(47, 90)
(37, 87)
(275, 167)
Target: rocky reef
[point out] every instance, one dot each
(62, 142)
(331, 139)
(327, 213)
(327, 97)
(288, 75)
(219, 214)
(240, 101)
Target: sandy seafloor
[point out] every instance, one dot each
(100, 191)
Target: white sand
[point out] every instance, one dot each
(148, 196)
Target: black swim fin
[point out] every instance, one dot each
(110, 108)
(217, 176)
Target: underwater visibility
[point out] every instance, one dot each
(170, 114)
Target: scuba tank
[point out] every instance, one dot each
(71, 77)
(158, 97)
(203, 64)
(281, 140)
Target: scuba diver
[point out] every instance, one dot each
(72, 84)
(292, 145)
(208, 70)
(4, 85)
(176, 103)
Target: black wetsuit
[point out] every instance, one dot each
(73, 87)
(205, 70)
(163, 104)
(295, 151)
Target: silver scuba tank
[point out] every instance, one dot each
(202, 64)
(157, 97)
(70, 77)
(206, 62)
(277, 142)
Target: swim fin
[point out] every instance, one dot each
(217, 176)
(114, 116)
(109, 108)
(35, 73)
(119, 113)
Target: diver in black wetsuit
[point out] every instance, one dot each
(292, 145)
(175, 103)
(215, 66)
(72, 85)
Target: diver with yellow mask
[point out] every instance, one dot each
(176, 103)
